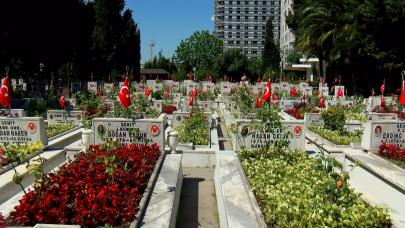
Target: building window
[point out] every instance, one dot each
(230, 41)
(264, 2)
(238, 27)
(237, 42)
(256, 3)
(230, 2)
(246, 27)
(246, 42)
(264, 18)
(238, 3)
(255, 27)
(246, 2)
(246, 17)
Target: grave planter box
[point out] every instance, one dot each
(293, 130)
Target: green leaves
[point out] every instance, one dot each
(195, 129)
(293, 192)
(58, 128)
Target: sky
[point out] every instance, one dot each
(167, 22)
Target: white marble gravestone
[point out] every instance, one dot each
(293, 130)
(62, 116)
(383, 131)
(108, 87)
(22, 130)
(92, 86)
(128, 131)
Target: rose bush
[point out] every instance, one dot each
(99, 187)
(393, 153)
(294, 190)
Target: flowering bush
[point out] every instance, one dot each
(393, 152)
(294, 112)
(294, 190)
(337, 137)
(99, 187)
(2, 223)
(169, 109)
(18, 152)
(58, 128)
(194, 129)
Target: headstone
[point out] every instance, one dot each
(378, 132)
(20, 81)
(92, 86)
(285, 86)
(225, 88)
(190, 87)
(375, 101)
(108, 87)
(176, 86)
(24, 86)
(209, 86)
(73, 102)
(76, 86)
(345, 103)
(323, 91)
(293, 130)
(62, 116)
(287, 104)
(381, 116)
(306, 90)
(158, 105)
(313, 119)
(22, 130)
(150, 83)
(158, 87)
(205, 106)
(16, 113)
(179, 117)
(337, 89)
(127, 131)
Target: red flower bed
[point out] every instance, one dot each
(294, 112)
(391, 151)
(99, 187)
(169, 109)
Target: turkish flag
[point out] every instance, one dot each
(402, 97)
(293, 91)
(382, 89)
(190, 101)
(62, 101)
(258, 102)
(340, 92)
(267, 91)
(5, 98)
(383, 103)
(124, 97)
(194, 93)
(147, 91)
(322, 103)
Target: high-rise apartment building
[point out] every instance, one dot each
(242, 24)
(287, 38)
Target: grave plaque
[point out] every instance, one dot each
(306, 90)
(323, 91)
(22, 130)
(108, 87)
(24, 86)
(92, 86)
(190, 87)
(150, 83)
(313, 119)
(388, 131)
(225, 88)
(14, 112)
(62, 116)
(205, 106)
(76, 86)
(127, 131)
(179, 117)
(381, 116)
(157, 87)
(209, 86)
(176, 85)
(288, 104)
(342, 88)
(158, 105)
(292, 130)
(336, 102)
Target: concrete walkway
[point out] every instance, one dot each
(198, 206)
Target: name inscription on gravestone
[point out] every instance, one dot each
(22, 130)
(378, 132)
(126, 131)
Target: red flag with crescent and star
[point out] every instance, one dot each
(322, 103)
(190, 101)
(402, 97)
(267, 91)
(258, 102)
(124, 97)
(5, 98)
(147, 91)
(62, 101)
(293, 91)
(340, 92)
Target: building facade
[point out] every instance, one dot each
(242, 24)
(287, 38)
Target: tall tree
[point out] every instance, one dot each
(271, 52)
(107, 34)
(161, 62)
(199, 50)
(233, 63)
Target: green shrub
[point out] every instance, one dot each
(334, 118)
(194, 129)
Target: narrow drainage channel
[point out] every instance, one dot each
(198, 207)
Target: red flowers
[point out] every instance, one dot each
(294, 112)
(391, 151)
(2, 223)
(99, 187)
(169, 109)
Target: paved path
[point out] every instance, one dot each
(198, 206)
